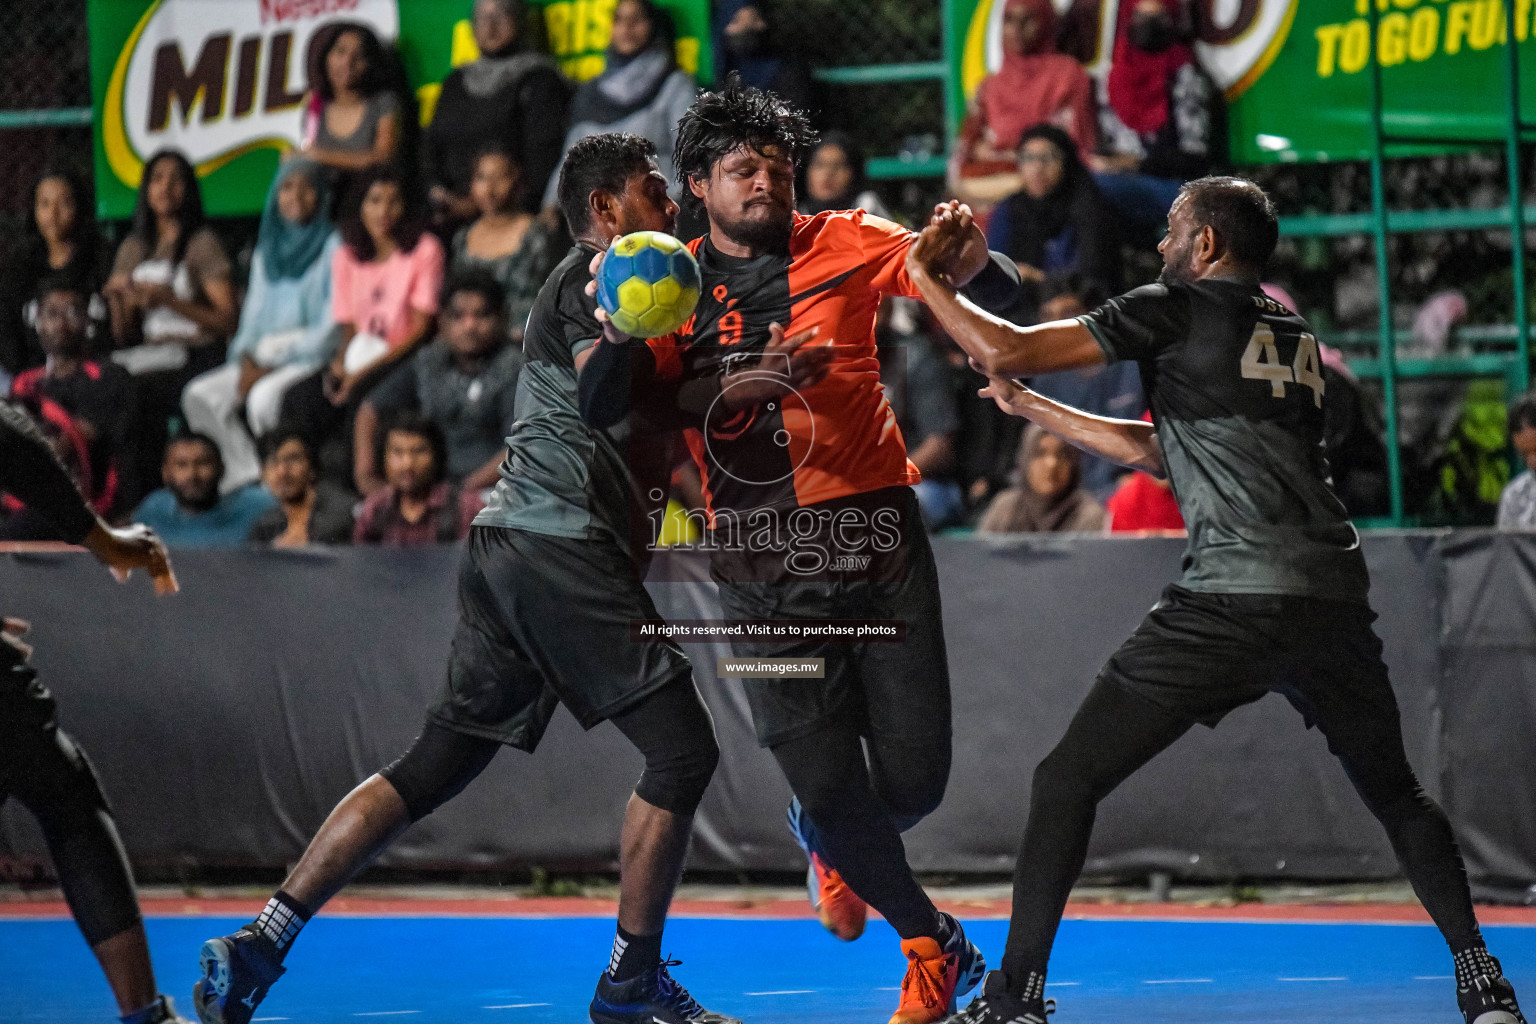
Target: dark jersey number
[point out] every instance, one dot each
(1261, 361)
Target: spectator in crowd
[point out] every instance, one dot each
(418, 505)
(1166, 120)
(353, 120)
(505, 241)
(641, 91)
(1112, 390)
(61, 243)
(98, 398)
(188, 511)
(465, 382)
(384, 285)
(171, 299)
(744, 46)
(286, 329)
(1058, 221)
(1143, 502)
(920, 385)
(307, 511)
(1035, 85)
(513, 97)
(1047, 494)
(834, 179)
(1517, 505)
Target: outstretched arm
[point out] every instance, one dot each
(1131, 443)
(1002, 349)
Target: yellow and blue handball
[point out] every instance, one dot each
(648, 284)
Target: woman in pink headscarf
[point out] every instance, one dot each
(1035, 85)
(1165, 122)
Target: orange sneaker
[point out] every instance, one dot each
(838, 907)
(928, 990)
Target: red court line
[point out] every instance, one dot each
(1369, 913)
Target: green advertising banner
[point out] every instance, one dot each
(1296, 72)
(224, 80)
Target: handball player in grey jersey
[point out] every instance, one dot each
(1273, 594)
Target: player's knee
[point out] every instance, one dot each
(1059, 779)
(437, 768)
(676, 780)
(916, 796)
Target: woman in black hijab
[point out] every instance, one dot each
(513, 98)
(1058, 222)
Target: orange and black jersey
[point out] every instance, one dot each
(833, 440)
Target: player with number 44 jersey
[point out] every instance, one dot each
(1273, 595)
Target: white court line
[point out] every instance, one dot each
(889, 988)
(255, 1019)
(1181, 981)
(385, 1013)
(1434, 977)
(784, 992)
(1064, 984)
(1311, 979)
(507, 1006)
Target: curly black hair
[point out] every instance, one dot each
(599, 163)
(736, 117)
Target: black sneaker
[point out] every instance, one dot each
(1489, 1001)
(996, 1005)
(238, 970)
(654, 997)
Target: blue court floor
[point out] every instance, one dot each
(479, 970)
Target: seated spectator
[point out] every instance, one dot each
(98, 398)
(307, 512)
(1047, 494)
(1035, 85)
(353, 120)
(172, 303)
(1143, 502)
(188, 511)
(61, 243)
(641, 91)
(1112, 390)
(1165, 122)
(744, 46)
(921, 387)
(511, 245)
(286, 330)
(418, 505)
(384, 284)
(512, 97)
(1058, 221)
(834, 179)
(1517, 505)
(465, 382)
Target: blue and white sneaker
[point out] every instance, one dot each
(654, 997)
(971, 966)
(838, 907)
(238, 970)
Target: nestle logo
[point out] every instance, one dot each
(297, 10)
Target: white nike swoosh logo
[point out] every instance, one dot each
(248, 1001)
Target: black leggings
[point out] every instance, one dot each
(671, 728)
(857, 812)
(54, 780)
(1117, 731)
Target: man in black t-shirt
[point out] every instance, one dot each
(1273, 596)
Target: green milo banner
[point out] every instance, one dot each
(1296, 72)
(224, 80)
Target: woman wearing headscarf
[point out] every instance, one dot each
(641, 90)
(744, 47)
(513, 97)
(834, 179)
(1166, 121)
(286, 330)
(1057, 222)
(1047, 495)
(1035, 85)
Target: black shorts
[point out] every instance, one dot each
(896, 691)
(546, 620)
(39, 763)
(1203, 655)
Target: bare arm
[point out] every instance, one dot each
(487, 475)
(365, 435)
(1131, 443)
(1000, 348)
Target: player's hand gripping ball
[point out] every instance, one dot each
(648, 284)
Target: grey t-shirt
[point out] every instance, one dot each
(361, 140)
(562, 477)
(1236, 388)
